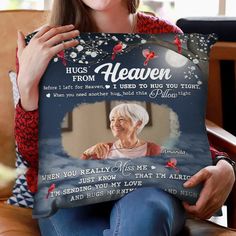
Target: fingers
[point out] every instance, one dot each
(213, 194)
(102, 150)
(64, 45)
(196, 210)
(98, 151)
(203, 206)
(53, 38)
(210, 199)
(20, 43)
(56, 31)
(42, 31)
(198, 178)
(192, 210)
(204, 213)
(61, 37)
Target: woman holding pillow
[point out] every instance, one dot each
(146, 211)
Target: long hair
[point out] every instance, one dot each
(76, 12)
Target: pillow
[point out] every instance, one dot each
(119, 112)
(15, 91)
(21, 196)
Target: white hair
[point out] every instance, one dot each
(134, 111)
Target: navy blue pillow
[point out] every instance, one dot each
(120, 112)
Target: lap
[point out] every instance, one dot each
(142, 204)
(79, 221)
(147, 210)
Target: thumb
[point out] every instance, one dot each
(198, 178)
(20, 42)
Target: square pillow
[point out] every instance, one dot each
(21, 196)
(15, 91)
(120, 112)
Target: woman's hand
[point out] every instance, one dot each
(34, 59)
(217, 184)
(98, 151)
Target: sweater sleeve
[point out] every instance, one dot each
(26, 136)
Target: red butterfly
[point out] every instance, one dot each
(149, 55)
(61, 55)
(178, 43)
(172, 164)
(116, 49)
(50, 189)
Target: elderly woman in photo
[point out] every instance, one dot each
(126, 122)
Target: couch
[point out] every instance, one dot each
(223, 56)
(15, 221)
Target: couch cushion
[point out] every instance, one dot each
(222, 26)
(17, 221)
